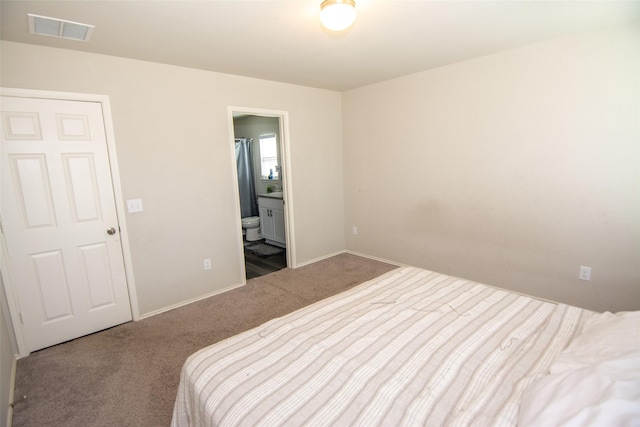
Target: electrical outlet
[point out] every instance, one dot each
(354, 230)
(585, 273)
(207, 264)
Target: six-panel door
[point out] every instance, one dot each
(57, 205)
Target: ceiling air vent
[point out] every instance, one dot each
(53, 27)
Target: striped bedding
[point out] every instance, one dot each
(411, 347)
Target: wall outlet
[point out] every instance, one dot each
(585, 273)
(207, 264)
(354, 230)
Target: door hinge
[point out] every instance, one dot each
(20, 315)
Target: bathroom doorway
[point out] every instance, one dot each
(260, 148)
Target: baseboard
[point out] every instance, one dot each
(302, 264)
(345, 251)
(387, 261)
(227, 289)
(190, 301)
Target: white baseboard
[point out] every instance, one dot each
(345, 251)
(229, 288)
(376, 258)
(183, 303)
(320, 258)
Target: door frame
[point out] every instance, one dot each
(12, 301)
(287, 179)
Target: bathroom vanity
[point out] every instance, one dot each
(271, 207)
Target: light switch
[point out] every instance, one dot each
(134, 205)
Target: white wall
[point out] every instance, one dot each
(175, 152)
(512, 169)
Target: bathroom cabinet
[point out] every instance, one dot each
(272, 220)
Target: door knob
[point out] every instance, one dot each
(111, 231)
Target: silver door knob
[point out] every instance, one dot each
(111, 231)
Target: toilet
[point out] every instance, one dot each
(252, 226)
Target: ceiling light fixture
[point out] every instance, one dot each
(337, 15)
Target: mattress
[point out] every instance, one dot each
(411, 347)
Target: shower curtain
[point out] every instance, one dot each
(246, 183)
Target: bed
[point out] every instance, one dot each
(413, 347)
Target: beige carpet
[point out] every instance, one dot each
(128, 375)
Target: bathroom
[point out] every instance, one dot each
(258, 147)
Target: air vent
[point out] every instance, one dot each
(53, 27)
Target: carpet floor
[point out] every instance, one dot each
(128, 375)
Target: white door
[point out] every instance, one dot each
(59, 220)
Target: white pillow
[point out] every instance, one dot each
(603, 336)
(595, 381)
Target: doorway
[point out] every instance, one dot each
(262, 178)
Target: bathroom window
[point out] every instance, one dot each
(269, 168)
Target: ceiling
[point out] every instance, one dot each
(283, 41)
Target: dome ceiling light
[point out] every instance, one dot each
(337, 15)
